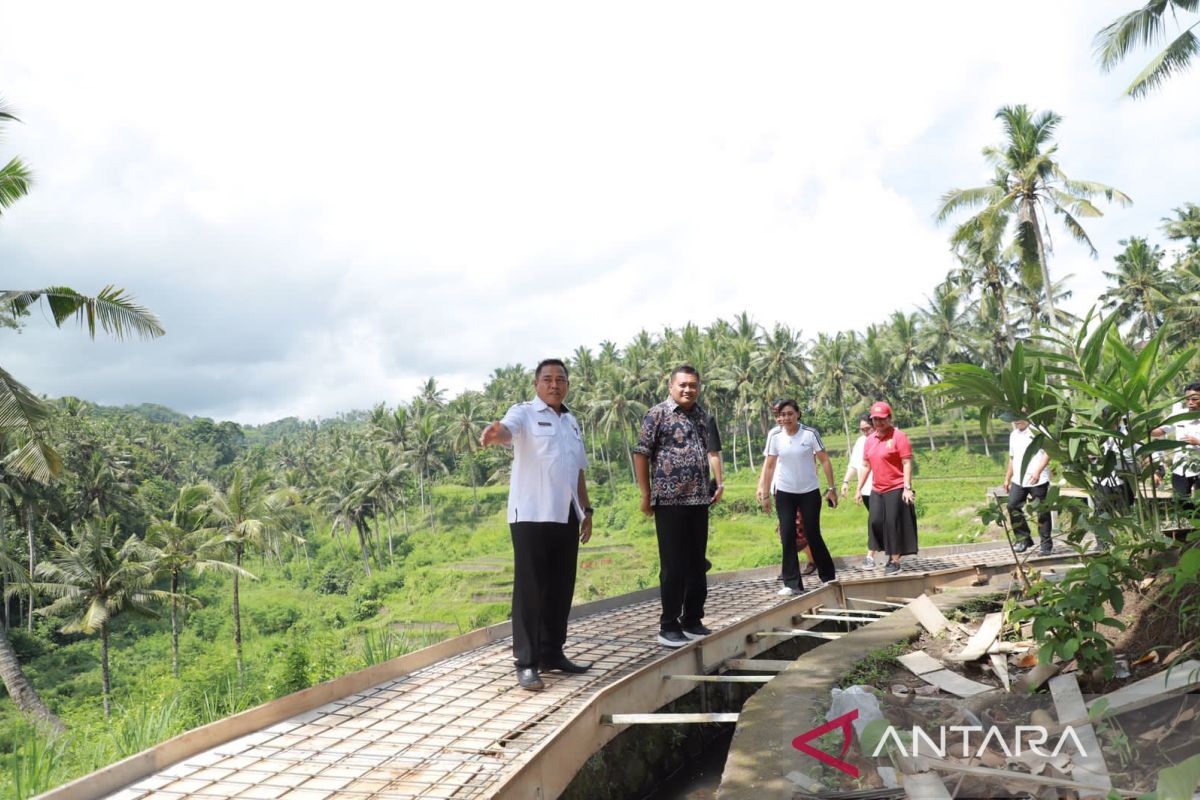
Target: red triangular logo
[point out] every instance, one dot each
(843, 722)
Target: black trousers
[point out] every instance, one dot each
(682, 540)
(1182, 487)
(1115, 499)
(1017, 495)
(809, 506)
(544, 558)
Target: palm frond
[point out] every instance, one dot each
(22, 412)
(1142, 27)
(15, 180)
(957, 199)
(1079, 206)
(1175, 57)
(1076, 230)
(1090, 189)
(114, 310)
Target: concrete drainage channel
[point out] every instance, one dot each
(658, 761)
(772, 698)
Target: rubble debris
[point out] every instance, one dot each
(1000, 667)
(1089, 767)
(934, 672)
(978, 646)
(1031, 681)
(929, 615)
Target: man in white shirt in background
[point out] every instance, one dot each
(549, 516)
(1033, 482)
(853, 470)
(1185, 471)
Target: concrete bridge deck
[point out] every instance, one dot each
(450, 722)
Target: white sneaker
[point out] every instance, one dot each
(787, 592)
(868, 563)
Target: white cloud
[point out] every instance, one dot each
(327, 207)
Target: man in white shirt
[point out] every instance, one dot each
(855, 469)
(548, 516)
(1185, 474)
(1033, 482)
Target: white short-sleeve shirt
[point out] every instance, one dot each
(548, 455)
(1018, 443)
(856, 462)
(775, 476)
(795, 467)
(1186, 460)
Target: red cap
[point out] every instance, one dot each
(881, 409)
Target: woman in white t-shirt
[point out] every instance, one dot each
(791, 465)
(853, 471)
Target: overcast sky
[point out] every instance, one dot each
(327, 203)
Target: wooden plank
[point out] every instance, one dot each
(978, 646)
(925, 786)
(1088, 767)
(887, 603)
(837, 610)
(1000, 667)
(757, 664)
(933, 672)
(837, 617)
(800, 632)
(1176, 680)
(919, 663)
(955, 684)
(928, 615)
(665, 719)
(720, 678)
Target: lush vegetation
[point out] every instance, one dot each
(161, 571)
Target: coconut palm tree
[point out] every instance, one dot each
(466, 417)
(180, 544)
(1143, 289)
(832, 357)
(617, 411)
(909, 360)
(1185, 227)
(1028, 185)
(1029, 311)
(95, 576)
(247, 514)
(781, 364)
(425, 445)
(23, 416)
(1146, 27)
(15, 680)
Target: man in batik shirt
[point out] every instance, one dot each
(673, 459)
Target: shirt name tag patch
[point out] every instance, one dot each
(546, 424)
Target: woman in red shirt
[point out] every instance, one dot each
(892, 517)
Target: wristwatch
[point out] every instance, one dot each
(588, 511)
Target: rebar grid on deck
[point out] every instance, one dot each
(458, 728)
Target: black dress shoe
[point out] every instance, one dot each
(529, 679)
(564, 664)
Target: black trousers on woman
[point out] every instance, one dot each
(809, 505)
(893, 522)
(544, 558)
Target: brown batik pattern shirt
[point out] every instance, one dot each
(676, 443)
